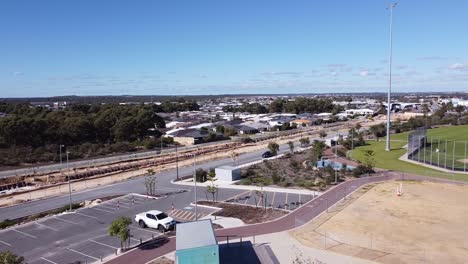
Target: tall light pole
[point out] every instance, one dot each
(60, 151)
(177, 162)
(387, 146)
(195, 186)
(69, 183)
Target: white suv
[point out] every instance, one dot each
(155, 219)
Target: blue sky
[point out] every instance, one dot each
(103, 47)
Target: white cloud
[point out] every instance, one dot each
(364, 73)
(333, 73)
(458, 66)
(17, 73)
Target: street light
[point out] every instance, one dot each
(387, 146)
(69, 183)
(60, 151)
(195, 181)
(177, 162)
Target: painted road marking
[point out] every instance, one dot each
(39, 224)
(50, 261)
(8, 244)
(236, 196)
(131, 201)
(250, 195)
(71, 222)
(87, 215)
(76, 251)
(105, 206)
(21, 232)
(102, 244)
(101, 210)
(143, 229)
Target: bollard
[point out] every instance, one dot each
(133, 200)
(118, 204)
(141, 241)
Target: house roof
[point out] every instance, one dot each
(195, 234)
(191, 132)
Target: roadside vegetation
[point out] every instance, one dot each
(7, 257)
(294, 170)
(33, 134)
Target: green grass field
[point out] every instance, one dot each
(390, 160)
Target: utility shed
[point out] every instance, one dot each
(227, 173)
(196, 243)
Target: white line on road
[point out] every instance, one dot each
(147, 230)
(135, 239)
(39, 224)
(87, 215)
(71, 222)
(8, 244)
(50, 261)
(105, 206)
(250, 195)
(21, 232)
(102, 244)
(99, 209)
(236, 196)
(76, 251)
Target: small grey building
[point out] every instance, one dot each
(228, 173)
(196, 243)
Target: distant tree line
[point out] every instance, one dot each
(297, 106)
(304, 105)
(31, 134)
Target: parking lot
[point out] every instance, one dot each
(82, 236)
(277, 200)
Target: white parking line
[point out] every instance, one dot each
(105, 206)
(94, 207)
(48, 260)
(5, 243)
(250, 195)
(144, 229)
(21, 232)
(87, 215)
(39, 224)
(71, 222)
(102, 244)
(76, 251)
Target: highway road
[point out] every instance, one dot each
(130, 186)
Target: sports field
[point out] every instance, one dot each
(427, 224)
(390, 159)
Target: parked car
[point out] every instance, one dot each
(155, 219)
(267, 154)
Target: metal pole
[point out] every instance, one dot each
(453, 156)
(438, 154)
(425, 142)
(195, 191)
(431, 151)
(387, 146)
(336, 159)
(60, 151)
(419, 149)
(69, 183)
(445, 150)
(177, 162)
(464, 161)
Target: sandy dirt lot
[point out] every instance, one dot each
(427, 224)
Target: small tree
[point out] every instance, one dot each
(150, 182)
(273, 147)
(291, 146)
(120, 227)
(322, 134)
(369, 161)
(200, 175)
(7, 257)
(234, 156)
(358, 127)
(212, 188)
(304, 141)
